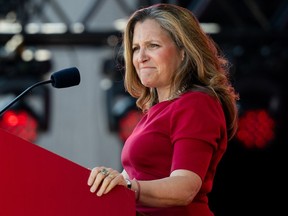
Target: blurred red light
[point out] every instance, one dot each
(21, 124)
(127, 123)
(256, 129)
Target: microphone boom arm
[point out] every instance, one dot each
(22, 94)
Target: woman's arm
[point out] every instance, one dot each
(179, 189)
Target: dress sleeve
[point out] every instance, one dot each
(197, 128)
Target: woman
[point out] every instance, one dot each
(181, 84)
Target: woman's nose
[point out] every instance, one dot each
(142, 56)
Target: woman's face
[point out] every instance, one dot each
(155, 56)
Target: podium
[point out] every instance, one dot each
(35, 181)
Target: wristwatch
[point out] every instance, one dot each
(129, 183)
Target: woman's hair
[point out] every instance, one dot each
(203, 68)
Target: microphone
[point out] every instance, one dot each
(61, 79)
(65, 78)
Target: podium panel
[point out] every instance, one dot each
(35, 181)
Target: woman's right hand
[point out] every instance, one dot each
(102, 180)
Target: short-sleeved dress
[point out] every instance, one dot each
(188, 132)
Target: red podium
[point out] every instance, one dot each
(35, 181)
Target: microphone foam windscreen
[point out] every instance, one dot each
(66, 78)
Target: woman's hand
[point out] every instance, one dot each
(104, 179)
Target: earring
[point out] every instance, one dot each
(183, 56)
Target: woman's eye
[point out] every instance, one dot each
(153, 45)
(135, 48)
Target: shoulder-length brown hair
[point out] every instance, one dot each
(203, 68)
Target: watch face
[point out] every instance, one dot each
(129, 184)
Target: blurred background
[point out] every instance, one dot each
(88, 124)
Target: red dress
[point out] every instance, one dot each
(186, 133)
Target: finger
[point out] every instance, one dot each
(101, 174)
(93, 175)
(105, 183)
(109, 182)
(114, 180)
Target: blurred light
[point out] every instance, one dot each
(11, 16)
(32, 28)
(10, 28)
(27, 55)
(37, 103)
(120, 24)
(256, 129)
(12, 45)
(39, 55)
(46, 28)
(53, 28)
(211, 28)
(42, 55)
(20, 123)
(127, 123)
(78, 28)
(106, 84)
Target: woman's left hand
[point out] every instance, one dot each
(104, 179)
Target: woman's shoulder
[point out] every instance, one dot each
(198, 102)
(197, 96)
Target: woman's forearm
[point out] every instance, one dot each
(170, 191)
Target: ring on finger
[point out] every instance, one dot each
(104, 172)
